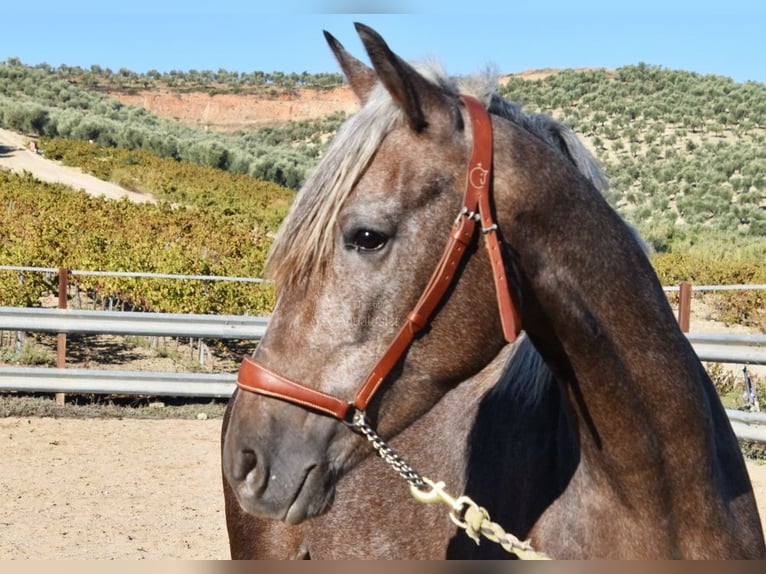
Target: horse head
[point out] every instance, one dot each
(351, 259)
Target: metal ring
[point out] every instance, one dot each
(459, 509)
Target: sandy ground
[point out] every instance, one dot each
(123, 489)
(111, 489)
(17, 157)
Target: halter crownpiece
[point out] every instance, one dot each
(480, 179)
(477, 207)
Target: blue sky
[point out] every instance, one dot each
(727, 38)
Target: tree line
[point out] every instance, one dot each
(218, 81)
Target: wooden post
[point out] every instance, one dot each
(684, 305)
(61, 338)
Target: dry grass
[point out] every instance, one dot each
(106, 406)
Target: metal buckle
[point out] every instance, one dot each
(467, 213)
(354, 418)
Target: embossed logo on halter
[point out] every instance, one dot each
(478, 176)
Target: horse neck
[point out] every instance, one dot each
(593, 306)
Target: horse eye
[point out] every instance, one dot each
(366, 240)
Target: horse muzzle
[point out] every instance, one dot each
(278, 473)
(289, 495)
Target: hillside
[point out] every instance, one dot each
(217, 109)
(685, 153)
(15, 156)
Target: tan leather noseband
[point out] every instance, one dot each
(256, 378)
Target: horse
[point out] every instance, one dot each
(629, 454)
(394, 532)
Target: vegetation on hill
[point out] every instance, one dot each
(685, 154)
(213, 82)
(686, 159)
(217, 224)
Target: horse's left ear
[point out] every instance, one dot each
(407, 87)
(360, 77)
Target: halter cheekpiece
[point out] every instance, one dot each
(256, 378)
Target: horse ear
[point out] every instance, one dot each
(406, 86)
(360, 77)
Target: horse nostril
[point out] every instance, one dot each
(246, 461)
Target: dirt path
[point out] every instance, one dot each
(17, 157)
(123, 489)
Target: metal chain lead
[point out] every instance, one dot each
(465, 513)
(389, 455)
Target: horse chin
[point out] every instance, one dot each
(313, 496)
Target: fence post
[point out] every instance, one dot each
(684, 305)
(61, 337)
(20, 334)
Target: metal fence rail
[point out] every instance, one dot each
(747, 425)
(739, 339)
(76, 380)
(741, 348)
(102, 381)
(132, 323)
(749, 349)
(133, 274)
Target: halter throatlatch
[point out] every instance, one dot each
(477, 207)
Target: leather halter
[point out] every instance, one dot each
(256, 378)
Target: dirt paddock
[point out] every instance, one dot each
(123, 489)
(111, 489)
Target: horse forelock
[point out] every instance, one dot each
(305, 240)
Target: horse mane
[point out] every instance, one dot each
(555, 134)
(525, 376)
(305, 240)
